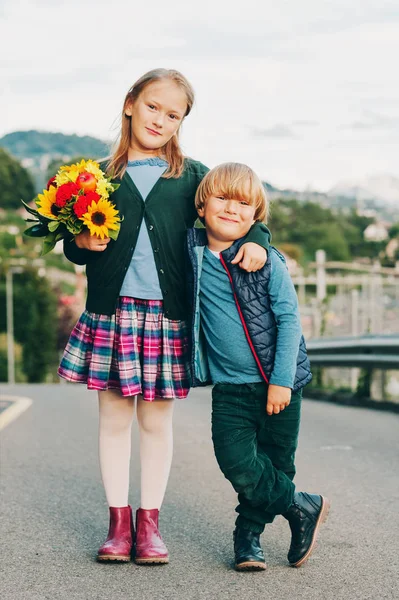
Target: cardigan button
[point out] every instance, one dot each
(161, 271)
(151, 227)
(156, 249)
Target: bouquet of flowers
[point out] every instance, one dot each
(77, 197)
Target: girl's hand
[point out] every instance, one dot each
(278, 398)
(250, 257)
(91, 242)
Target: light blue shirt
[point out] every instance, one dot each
(141, 279)
(229, 355)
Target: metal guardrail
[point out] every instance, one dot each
(379, 351)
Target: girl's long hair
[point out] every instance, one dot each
(171, 151)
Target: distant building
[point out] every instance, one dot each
(375, 232)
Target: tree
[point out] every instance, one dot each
(16, 182)
(394, 231)
(35, 323)
(310, 226)
(66, 317)
(292, 250)
(330, 238)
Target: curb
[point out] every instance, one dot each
(347, 399)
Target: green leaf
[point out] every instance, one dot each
(44, 219)
(113, 234)
(71, 227)
(49, 243)
(30, 210)
(38, 230)
(53, 225)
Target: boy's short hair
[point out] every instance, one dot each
(235, 181)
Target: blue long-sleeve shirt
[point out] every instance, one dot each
(229, 355)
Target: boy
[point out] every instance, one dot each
(247, 341)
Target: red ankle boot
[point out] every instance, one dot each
(118, 545)
(149, 544)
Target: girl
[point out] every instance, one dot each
(131, 341)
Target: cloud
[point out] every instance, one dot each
(41, 83)
(277, 131)
(283, 86)
(204, 41)
(268, 30)
(305, 123)
(374, 121)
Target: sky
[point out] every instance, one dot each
(306, 93)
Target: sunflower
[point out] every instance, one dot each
(46, 205)
(100, 217)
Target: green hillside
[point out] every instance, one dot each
(31, 144)
(37, 149)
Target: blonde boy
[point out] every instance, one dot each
(247, 342)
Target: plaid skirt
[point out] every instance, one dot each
(136, 350)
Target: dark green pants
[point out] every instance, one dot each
(255, 451)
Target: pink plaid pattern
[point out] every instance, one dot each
(136, 350)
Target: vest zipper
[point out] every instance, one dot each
(243, 321)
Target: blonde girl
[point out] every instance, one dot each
(131, 342)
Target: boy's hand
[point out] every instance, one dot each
(250, 257)
(278, 398)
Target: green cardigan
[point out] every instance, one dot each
(168, 212)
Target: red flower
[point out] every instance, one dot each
(65, 193)
(92, 196)
(50, 182)
(80, 206)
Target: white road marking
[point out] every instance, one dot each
(19, 405)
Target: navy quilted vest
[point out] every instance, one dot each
(254, 307)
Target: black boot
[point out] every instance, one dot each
(305, 515)
(248, 552)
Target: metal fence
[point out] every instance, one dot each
(340, 299)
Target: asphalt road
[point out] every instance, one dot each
(54, 515)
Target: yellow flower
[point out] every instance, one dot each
(46, 203)
(68, 173)
(100, 217)
(65, 176)
(94, 168)
(102, 188)
(79, 167)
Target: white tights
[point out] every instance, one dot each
(156, 446)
